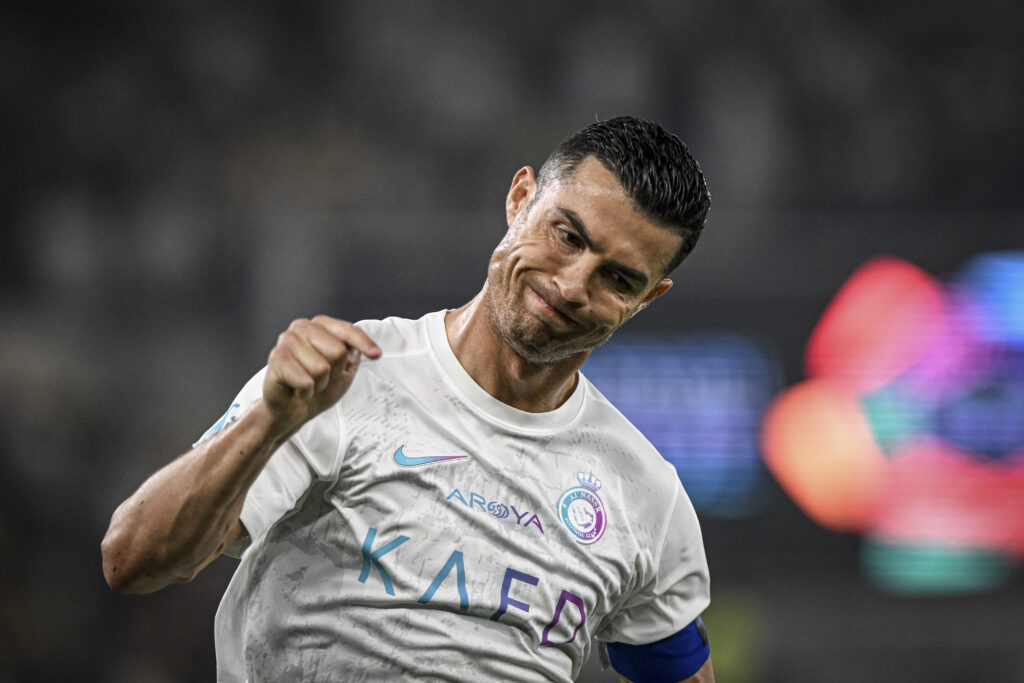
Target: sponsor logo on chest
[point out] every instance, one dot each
(496, 509)
(579, 508)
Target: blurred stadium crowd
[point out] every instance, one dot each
(181, 181)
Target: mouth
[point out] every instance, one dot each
(555, 311)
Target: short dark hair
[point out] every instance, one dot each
(655, 168)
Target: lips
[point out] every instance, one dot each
(557, 310)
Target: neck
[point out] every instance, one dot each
(502, 373)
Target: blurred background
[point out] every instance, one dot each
(838, 374)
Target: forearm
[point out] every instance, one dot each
(184, 515)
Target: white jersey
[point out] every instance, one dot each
(420, 529)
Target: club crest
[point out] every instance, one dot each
(582, 510)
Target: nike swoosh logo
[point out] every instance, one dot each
(408, 461)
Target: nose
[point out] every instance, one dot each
(572, 280)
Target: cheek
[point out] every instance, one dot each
(506, 264)
(614, 309)
(522, 254)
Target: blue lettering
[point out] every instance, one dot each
(458, 494)
(505, 599)
(371, 556)
(496, 509)
(454, 560)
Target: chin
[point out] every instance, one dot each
(542, 354)
(528, 338)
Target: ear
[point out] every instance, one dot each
(658, 290)
(524, 187)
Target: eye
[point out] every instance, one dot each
(618, 280)
(569, 237)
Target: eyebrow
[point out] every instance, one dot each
(581, 229)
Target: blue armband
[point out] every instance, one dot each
(671, 659)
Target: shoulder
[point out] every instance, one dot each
(407, 362)
(653, 482)
(625, 441)
(399, 336)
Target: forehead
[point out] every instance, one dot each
(611, 217)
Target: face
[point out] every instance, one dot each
(577, 262)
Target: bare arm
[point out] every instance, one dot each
(704, 675)
(186, 514)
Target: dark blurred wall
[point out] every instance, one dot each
(181, 181)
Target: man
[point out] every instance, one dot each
(449, 498)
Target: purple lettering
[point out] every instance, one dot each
(505, 599)
(566, 596)
(536, 522)
(519, 515)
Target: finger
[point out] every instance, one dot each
(308, 357)
(352, 335)
(329, 345)
(349, 365)
(344, 359)
(286, 370)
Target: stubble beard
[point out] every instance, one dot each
(511, 327)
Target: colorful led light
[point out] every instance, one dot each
(910, 426)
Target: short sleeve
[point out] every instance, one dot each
(312, 452)
(250, 393)
(676, 593)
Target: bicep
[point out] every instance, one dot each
(236, 540)
(233, 543)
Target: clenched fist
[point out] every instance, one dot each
(312, 367)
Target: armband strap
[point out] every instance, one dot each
(671, 659)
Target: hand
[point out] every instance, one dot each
(312, 367)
